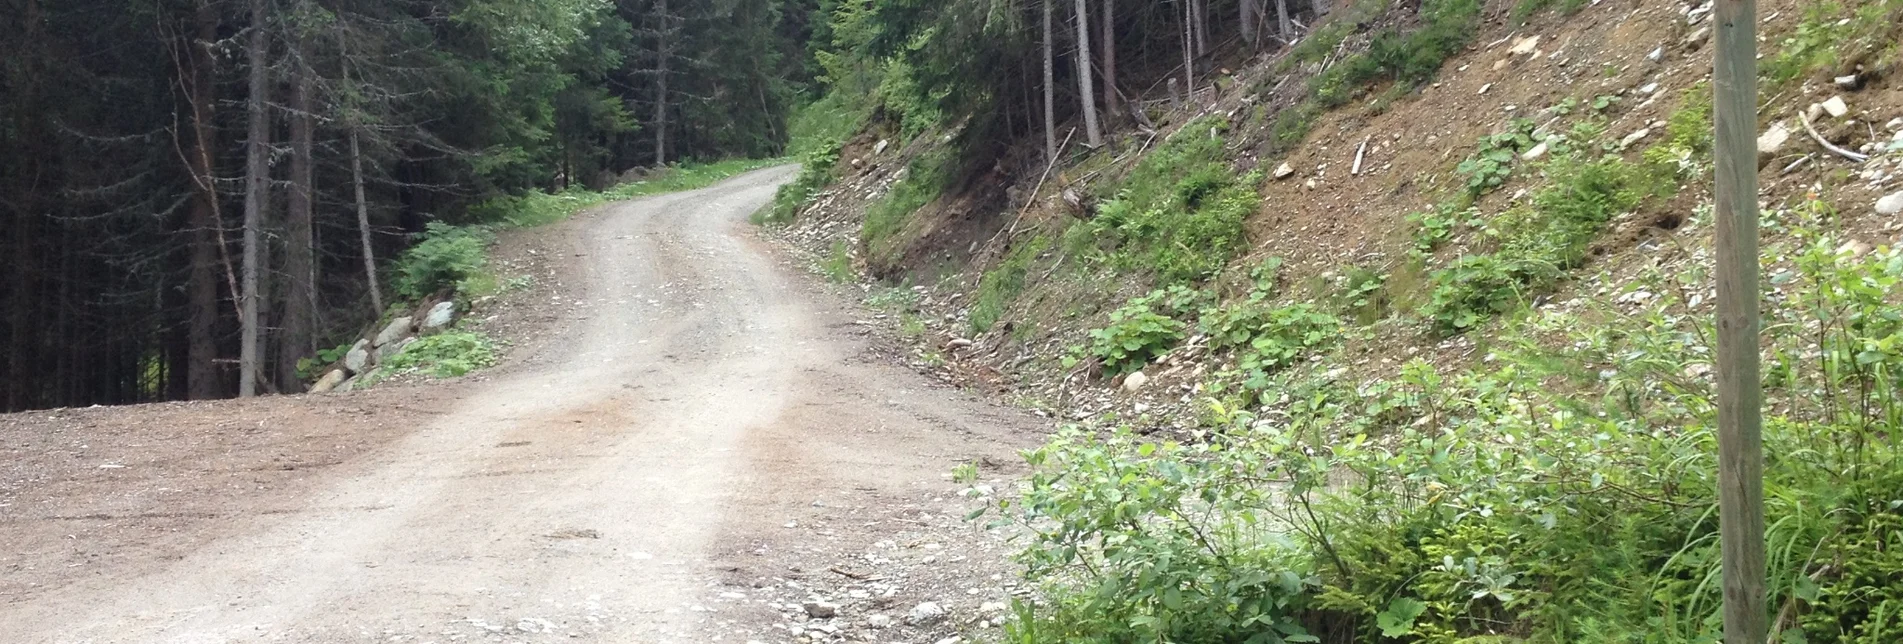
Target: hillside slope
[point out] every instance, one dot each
(1471, 233)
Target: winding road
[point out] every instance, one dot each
(707, 397)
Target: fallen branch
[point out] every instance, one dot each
(1805, 118)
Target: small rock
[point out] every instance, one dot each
(1484, 88)
(439, 316)
(878, 621)
(1855, 248)
(1649, 88)
(397, 329)
(958, 343)
(993, 607)
(1525, 46)
(1284, 171)
(925, 614)
(821, 610)
(1309, 184)
(1535, 153)
(358, 358)
(1773, 139)
(388, 351)
(1890, 204)
(1501, 64)
(1698, 37)
(329, 382)
(951, 640)
(879, 148)
(1656, 55)
(1135, 381)
(1851, 82)
(1836, 107)
(1815, 111)
(1634, 137)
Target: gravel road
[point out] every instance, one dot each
(698, 408)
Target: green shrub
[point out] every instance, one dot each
(1686, 151)
(1410, 59)
(444, 257)
(1136, 335)
(444, 355)
(923, 182)
(837, 266)
(1181, 211)
(1489, 168)
(1564, 492)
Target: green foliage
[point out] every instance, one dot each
(1137, 333)
(1686, 151)
(444, 355)
(1489, 168)
(1180, 212)
(1410, 59)
(1526, 8)
(1537, 245)
(445, 257)
(1832, 32)
(924, 180)
(1003, 283)
(1564, 492)
(837, 266)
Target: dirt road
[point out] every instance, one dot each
(702, 428)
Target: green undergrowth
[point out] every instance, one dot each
(444, 355)
(1002, 284)
(1178, 215)
(1408, 59)
(1562, 490)
(1261, 334)
(1834, 38)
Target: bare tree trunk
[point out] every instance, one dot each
(1086, 95)
(1109, 45)
(300, 294)
(356, 182)
(256, 183)
(201, 371)
(1050, 90)
(1251, 14)
(1189, 52)
(1201, 20)
(663, 50)
(1281, 11)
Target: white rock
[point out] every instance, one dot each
(951, 640)
(878, 621)
(1656, 55)
(1309, 184)
(1836, 107)
(1649, 88)
(1895, 125)
(388, 351)
(1284, 171)
(880, 147)
(925, 614)
(1773, 139)
(1890, 204)
(1535, 153)
(439, 316)
(821, 610)
(1484, 88)
(1634, 137)
(1855, 248)
(397, 329)
(1847, 82)
(329, 382)
(1525, 46)
(1135, 381)
(358, 359)
(993, 607)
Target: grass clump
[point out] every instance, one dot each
(1002, 284)
(925, 179)
(1180, 213)
(1537, 244)
(1409, 59)
(837, 265)
(1525, 9)
(1832, 33)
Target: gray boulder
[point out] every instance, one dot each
(398, 329)
(439, 316)
(329, 381)
(386, 351)
(358, 359)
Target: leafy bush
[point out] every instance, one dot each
(1136, 334)
(1565, 492)
(1686, 151)
(1181, 211)
(1489, 168)
(444, 355)
(445, 257)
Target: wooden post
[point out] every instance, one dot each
(1740, 395)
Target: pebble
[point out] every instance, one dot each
(1836, 107)
(1535, 153)
(1890, 204)
(925, 614)
(1284, 171)
(821, 610)
(878, 621)
(1135, 381)
(1634, 137)
(1773, 139)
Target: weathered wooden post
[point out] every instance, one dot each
(1740, 394)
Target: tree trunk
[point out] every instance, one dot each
(1086, 94)
(356, 183)
(300, 294)
(1109, 45)
(1189, 52)
(1050, 90)
(1200, 19)
(1281, 12)
(663, 51)
(202, 344)
(257, 168)
(1251, 14)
